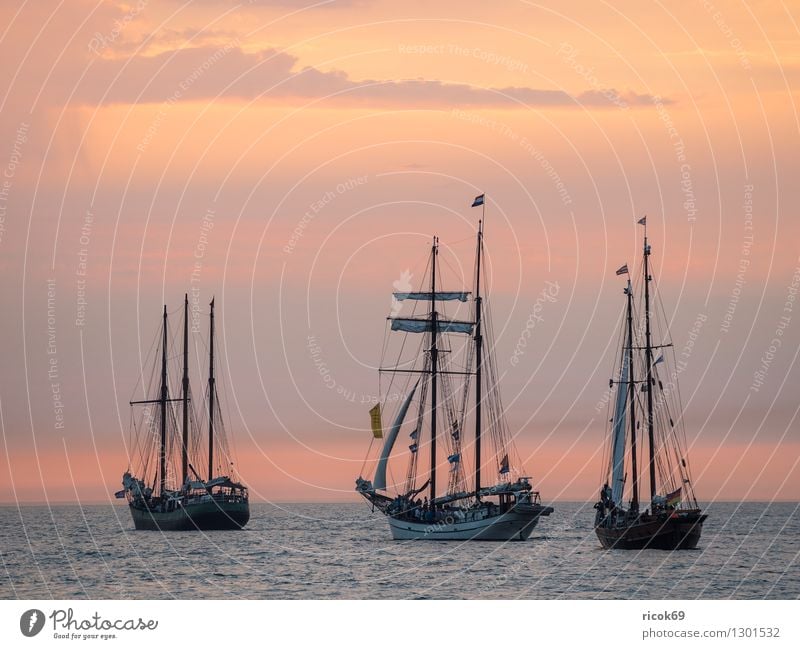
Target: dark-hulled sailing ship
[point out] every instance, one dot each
(672, 520)
(214, 502)
(436, 380)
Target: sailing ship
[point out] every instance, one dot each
(216, 502)
(436, 384)
(672, 520)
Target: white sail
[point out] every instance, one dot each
(618, 449)
(379, 482)
(425, 325)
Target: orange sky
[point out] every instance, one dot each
(128, 126)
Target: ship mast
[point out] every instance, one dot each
(632, 394)
(648, 357)
(163, 402)
(434, 362)
(185, 449)
(478, 360)
(211, 391)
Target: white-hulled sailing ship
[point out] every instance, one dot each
(672, 520)
(214, 502)
(435, 385)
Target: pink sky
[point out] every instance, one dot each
(155, 120)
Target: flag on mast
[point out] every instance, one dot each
(375, 420)
(673, 498)
(642, 221)
(504, 468)
(478, 200)
(622, 270)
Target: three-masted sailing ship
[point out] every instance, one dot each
(643, 406)
(435, 385)
(156, 500)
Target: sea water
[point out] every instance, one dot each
(313, 551)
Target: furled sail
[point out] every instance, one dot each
(618, 449)
(425, 325)
(462, 296)
(379, 482)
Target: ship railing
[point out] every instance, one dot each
(219, 495)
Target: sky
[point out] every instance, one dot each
(294, 159)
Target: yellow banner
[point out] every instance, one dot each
(375, 419)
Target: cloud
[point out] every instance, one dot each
(152, 43)
(218, 72)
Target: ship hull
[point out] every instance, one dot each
(677, 532)
(211, 515)
(514, 525)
